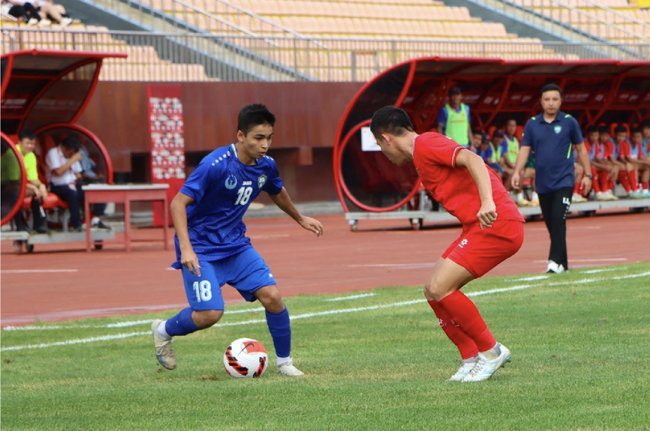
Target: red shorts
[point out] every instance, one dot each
(478, 251)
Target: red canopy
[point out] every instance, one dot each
(595, 91)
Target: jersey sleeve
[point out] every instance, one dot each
(438, 149)
(625, 149)
(52, 160)
(274, 183)
(442, 116)
(576, 134)
(201, 178)
(526, 137)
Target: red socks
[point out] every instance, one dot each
(465, 345)
(624, 181)
(463, 311)
(634, 183)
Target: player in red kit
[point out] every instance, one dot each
(493, 230)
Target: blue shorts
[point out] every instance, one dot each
(247, 272)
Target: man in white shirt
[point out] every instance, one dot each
(64, 172)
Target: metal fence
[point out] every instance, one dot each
(197, 57)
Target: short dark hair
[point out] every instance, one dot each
(390, 119)
(592, 129)
(603, 129)
(620, 129)
(254, 115)
(477, 132)
(551, 87)
(636, 130)
(646, 123)
(26, 134)
(72, 143)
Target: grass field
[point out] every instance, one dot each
(375, 361)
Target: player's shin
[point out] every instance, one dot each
(464, 343)
(463, 311)
(181, 324)
(280, 329)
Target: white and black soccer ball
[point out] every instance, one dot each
(245, 357)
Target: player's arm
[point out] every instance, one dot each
(178, 209)
(284, 202)
(479, 172)
(583, 157)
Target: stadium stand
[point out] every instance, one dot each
(142, 64)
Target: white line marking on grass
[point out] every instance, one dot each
(72, 342)
(535, 278)
(343, 298)
(36, 271)
(606, 259)
(596, 271)
(321, 313)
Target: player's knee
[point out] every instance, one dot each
(207, 318)
(436, 290)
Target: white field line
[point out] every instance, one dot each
(535, 278)
(36, 271)
(344, 298)
(596, 271)
(605, 259)
(322, 313)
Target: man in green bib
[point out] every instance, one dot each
(454, 118)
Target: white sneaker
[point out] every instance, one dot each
(44, 23)
(164, 349)
(484, 367)
(577, 198)
(32, 21)
(287, 369)
(466, 366)
(554, 267)
(66, 22)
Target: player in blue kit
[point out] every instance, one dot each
(211, 246)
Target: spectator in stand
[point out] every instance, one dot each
(26, 11)
(55, 12)
(65, 174)
(454, 118)
(627, 176)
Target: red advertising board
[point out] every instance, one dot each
(167, 141)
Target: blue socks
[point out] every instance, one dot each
(181, 324)
(280, 330)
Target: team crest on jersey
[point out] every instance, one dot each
(231, 182)
(261, 181)
(557, 129)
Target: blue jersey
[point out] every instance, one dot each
(223, 188)
(552, 143)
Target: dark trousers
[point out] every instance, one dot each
(75, 199)
(555, 206)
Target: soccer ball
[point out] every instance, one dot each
(245, 357)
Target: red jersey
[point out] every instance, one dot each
(434, 156)
(627, 150)
(608, 149)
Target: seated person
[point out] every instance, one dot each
(477, 138)
(486, 151)
(65, 174)
(35, 188)
(631, 154)
(608, 154)
(599, 167)
(644, 160)
(627, 176)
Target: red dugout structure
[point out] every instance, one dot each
(46, 92)
(600, 91)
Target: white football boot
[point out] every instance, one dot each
(164, 349)
(484, 367)
(466, 366)
(287, 369)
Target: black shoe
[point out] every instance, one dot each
(101, 225)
